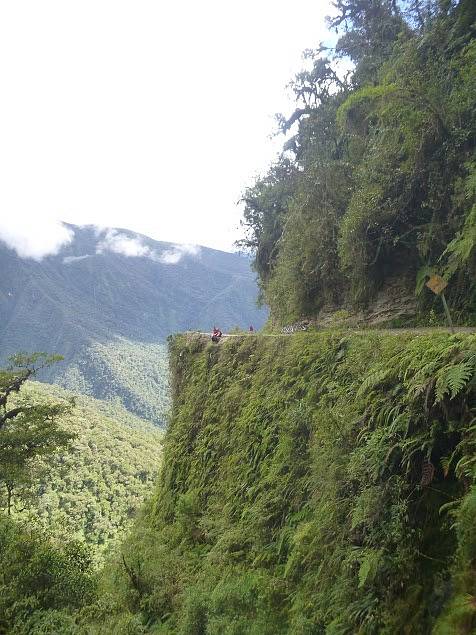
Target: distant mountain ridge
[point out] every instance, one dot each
(114, 285)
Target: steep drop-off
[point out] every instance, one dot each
(319, 483)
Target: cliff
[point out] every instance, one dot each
(319, 483)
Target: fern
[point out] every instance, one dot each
(452, 505)
(373, 380)
(363, 101)
(461, 247)
(466, 466)
(315, 491)
(452, 380)
(421, 276)
(369, 566)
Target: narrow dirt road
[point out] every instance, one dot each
(416, 331)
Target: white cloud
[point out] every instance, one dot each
(34, 237)
(95, 121)
(97, 229)
(69, 259)
(133, 247)
(177, 252)
(124, 245)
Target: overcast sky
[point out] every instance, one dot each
(142, 114)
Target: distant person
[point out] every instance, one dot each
(216, 334)
(251, 328)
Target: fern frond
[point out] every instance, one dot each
(448, 506)
(453, 379)
(369, 566)
(463, 466)
(373, 380)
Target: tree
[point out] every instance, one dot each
(42, 580)
(379, 184)
(370, 30)
(266, 205)
(28, 430)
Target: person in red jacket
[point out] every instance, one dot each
(216, 335)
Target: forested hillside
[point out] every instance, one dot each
(73, 473)
(133, 374)
(376, 185)
(93, 491)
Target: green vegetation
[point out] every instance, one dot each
(133, 374)
(38, 578)
(318, 484)
(377, 183)
(94, 491)
(73, 474)
(42, 582)
(29, 430)
(74, 465)
(321, 483)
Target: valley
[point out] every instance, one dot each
(108, 301)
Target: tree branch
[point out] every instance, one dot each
(15, 386)
(297, 114)
(10, 415)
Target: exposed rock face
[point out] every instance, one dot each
(392, 302)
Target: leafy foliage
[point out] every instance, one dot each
(132, 374)
(42, 581)
(28, 430)
(94, 491)
(87, 495)
(382, 162)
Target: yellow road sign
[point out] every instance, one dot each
(437, 284)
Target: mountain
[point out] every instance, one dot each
(110, 298)
(133, 373)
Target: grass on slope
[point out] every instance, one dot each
(319, 484)
(94, 491)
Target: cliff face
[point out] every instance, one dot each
(320, 483)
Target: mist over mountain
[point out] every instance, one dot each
(114, 286)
